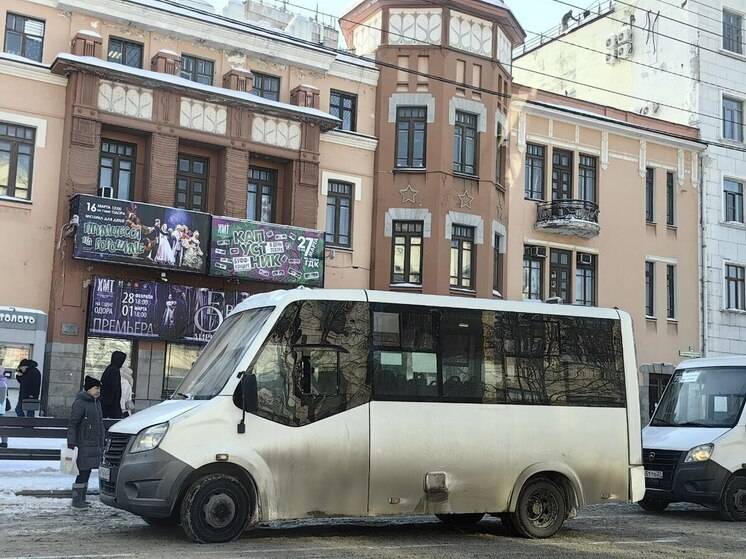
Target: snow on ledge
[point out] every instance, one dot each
(89, 33)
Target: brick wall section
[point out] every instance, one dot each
(161, 184)
(235, 173)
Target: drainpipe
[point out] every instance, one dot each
(703, 255)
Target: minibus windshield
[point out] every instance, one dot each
(218, 360)
(707, 397)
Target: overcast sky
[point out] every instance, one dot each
(533, 15)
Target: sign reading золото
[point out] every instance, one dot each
(261, 251)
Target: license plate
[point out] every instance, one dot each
(104, 473)
(653, 474)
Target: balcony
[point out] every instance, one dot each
(578, 218)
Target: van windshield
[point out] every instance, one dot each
(218, 360)
(708, 397)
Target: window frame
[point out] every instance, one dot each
(738, 125)
(23, 35)
(671, 291)
(407, 244)
(650, 195)
(263, 92)
(501, 156)
(649, 289)
(739, 281)
(733, 202)
(191, 177)
(125, 44)
(730, 41)
(587, 171)
(497, 266)
(342, 96)
(254, 177)
(115, 168)
(465, 128)
(583, 272)
(334, 200)
(558, 267)
(193, 74)
(670, 199)
(533, 162)
(528, 266)
(461, 234)
(13, 153)
(560, 172)
(411, 122)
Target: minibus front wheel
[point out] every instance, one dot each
(541, 509)
(216, 508)
(733, 501)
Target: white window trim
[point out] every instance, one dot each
(742, 100)
(468, 106)
(468, 220)
(356, 181)
(408, 214)
(499, 229)
(723, 221)
(726, 262)
(742, 14)
(412, 100)
(40, 124)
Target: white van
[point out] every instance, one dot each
(323, 403)
(694, 447)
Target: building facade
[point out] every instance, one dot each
(683, 63)
(440, 214)
(603, 212)
(181, 137)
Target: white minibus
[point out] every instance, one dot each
(329, 403)
(694, 448)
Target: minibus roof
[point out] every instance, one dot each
(702, 362)
(285, 296)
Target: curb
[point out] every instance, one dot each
(54, 493)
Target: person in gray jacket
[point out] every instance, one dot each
(86, 432)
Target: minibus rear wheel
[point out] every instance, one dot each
(216, 509)
(733, 502)
(461, 520)
(541, 509)
(652, 505)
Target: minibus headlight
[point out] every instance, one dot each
(149, 438)
(700, 453)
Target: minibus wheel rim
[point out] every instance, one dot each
(219, 510)
(542, 508)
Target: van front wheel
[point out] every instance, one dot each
(215, 509)
(541, 509)
(733, 502)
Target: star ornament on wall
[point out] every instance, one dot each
(465, 199)
(408, 194)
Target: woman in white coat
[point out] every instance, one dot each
(127, 380)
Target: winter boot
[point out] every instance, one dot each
(79, 490)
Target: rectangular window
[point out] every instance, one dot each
(735, 285)
(267, 86)
(411, 137)
(561, 174)
(732, 32)
(733, 194)
(533, 273)
(650, 289)
(587, 178)
(670, 200)
(406, 265)
(462, 257)
(16, 160)
(585, 280)
(497, 267)
(339, 213)
(116, 172)
(197, 69)
(560, 270)
(344, 107)
(650, 195)
(125, 52)
(262, 188)
(502, 156)
(535, 159)
(732, 119)
(24, 36)
(191, 183)
(671, 291)
(465, 142)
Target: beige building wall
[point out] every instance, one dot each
(624, 242)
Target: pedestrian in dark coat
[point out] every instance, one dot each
(111, 386)
(29, 377)
(86, 433)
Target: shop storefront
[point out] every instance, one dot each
(23, 334)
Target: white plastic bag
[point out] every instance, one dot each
(69, 460)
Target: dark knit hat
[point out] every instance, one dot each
(89, 382)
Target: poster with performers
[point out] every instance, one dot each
(258, 251)
(140, 234)
(157, 311)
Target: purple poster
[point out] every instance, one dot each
(268, 252)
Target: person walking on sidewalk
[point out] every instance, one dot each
(111, 386)
(86, 433)
(29, 377)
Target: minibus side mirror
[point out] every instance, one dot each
(249, 398)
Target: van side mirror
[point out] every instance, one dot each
(249, 397)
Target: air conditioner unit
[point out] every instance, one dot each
(611, 58)
(624, 51)
(106, 191)
(611, 41)
(585, 259)
(624, 36)
(536, 252)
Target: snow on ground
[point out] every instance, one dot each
(19, 475)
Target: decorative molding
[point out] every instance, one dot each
(470, 220)
(40, 124)
(203, 116)
(408, 214)
(276, 132)
(468, 106)
(680, 167)
(577, 134)
(366, 37)
(124, 99)
(357, 141)
(415, 26)
(500, 229)
(522, 132)
(409, 195)
(501, 120)
(413, 100)
(604, 149)
(662, 259)
(465, 199)
(342, 68)
(470, 33)
(695, 170)
(550, 131)
(504, 50)
(643, 157)
(30, 72)
(327, 176)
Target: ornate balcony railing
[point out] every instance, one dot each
(568, 217)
